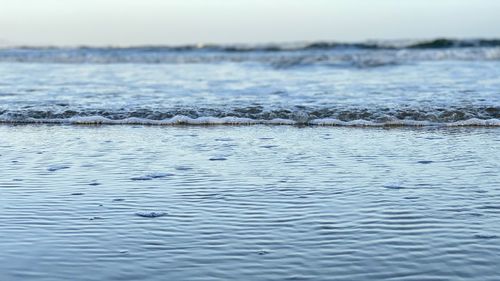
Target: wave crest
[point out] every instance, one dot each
(368, 54)
(403, 116)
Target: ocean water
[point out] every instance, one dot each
(440, 82)
(319, 161)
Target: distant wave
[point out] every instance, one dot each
(439, 43)
(368, 54)
(404, 116)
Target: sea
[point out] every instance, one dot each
(377, 160)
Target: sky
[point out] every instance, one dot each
(178, 22)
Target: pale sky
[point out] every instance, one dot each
(175, 22)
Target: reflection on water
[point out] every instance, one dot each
(287, 203)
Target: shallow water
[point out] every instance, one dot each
(307, 201)
(450, 83)
(248, 203)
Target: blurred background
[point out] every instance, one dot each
(177, 22)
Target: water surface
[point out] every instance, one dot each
(386, 169)
(248, 203)
(440, 82)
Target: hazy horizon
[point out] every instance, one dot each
(176, 22)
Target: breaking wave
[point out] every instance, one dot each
(367, 54)
(405, 116)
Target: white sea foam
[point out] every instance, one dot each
(476, 122)
(184, 120)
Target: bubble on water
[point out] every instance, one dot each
(485, 236)
(159, 175)
(268, 146)
(54, 168)
(150, 176)
(224, 139)
(150, 214)
(141, 178)
(393, 185)
(95, 218)
(217, 158)
(183, 168)
(263, 252)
